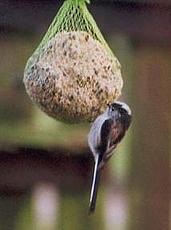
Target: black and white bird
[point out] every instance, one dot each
(106, 132)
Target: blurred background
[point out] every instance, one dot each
(46, 166)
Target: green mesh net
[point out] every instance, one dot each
(74, 16)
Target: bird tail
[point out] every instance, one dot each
(95, 184)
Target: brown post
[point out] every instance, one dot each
(149, 177)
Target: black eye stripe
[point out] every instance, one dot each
(119, 108)
(115, 106)
(124, 110)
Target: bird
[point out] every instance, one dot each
(105, 133)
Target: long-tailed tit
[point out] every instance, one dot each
(106, 132)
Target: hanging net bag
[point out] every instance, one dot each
(73, 74)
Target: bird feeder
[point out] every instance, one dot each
(73, 74)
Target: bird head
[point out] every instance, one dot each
(120, 110)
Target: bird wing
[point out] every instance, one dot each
(105, 140)
(94, 138)
(105, 134)
(110, 136)
(117, 133)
